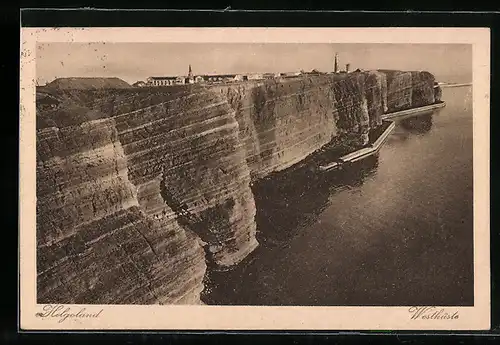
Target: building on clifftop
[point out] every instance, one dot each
(165, 81)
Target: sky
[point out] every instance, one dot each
(137, 61)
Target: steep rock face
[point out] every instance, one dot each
(95, 243)
(423, 88)
(409, 89)
(283, 122)
(280, 123)
(438, 93)
(191, 144)
(376, 96)
(399, 90)
(182, 147)
(352, 105)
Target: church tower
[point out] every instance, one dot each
(190, 73)
(336, 64)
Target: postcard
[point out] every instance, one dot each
(254, 179)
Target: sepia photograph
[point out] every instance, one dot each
(255, 174)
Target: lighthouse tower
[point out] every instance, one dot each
(190, 78)
(336, 64)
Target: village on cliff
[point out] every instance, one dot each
(190, 78)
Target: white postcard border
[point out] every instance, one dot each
(258, 317)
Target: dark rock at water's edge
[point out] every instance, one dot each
(138, 189)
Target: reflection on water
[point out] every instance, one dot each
(418, 124)
(299, 198)
(393, 229)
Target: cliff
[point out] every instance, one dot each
(282, 122)
(139, 189)
(95, 243)
(409, 89)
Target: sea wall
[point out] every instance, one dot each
(139, 189)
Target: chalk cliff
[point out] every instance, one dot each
(138, 189)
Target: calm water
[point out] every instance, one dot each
(395, 229)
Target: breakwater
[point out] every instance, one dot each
(140, 190)
(446, 85)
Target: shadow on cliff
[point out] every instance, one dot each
(201, 224)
